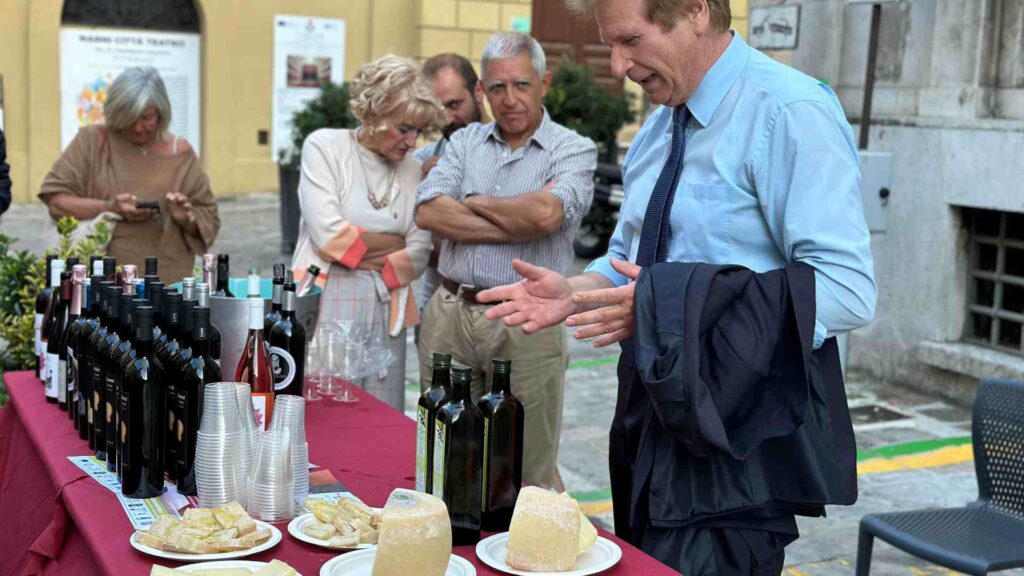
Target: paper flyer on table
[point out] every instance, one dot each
(142, 512)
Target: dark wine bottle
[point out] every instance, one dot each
(458, 466)
(76, 324)
(504, 421)
(110, 268)
(165, 350)
(61, 342)
(288, 347)
(254, 366)
(42, 305)
(56, 267)
(152, 266)
(143, 409)
(275, 301)
(188, 289)
(116, 366)
(197, 369)
(55, 385)
(426, 413)
(223, 275)
(99, 397)
(203, 299)
(86, 352)
(103, 360)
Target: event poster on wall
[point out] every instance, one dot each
(307, 52)
(90, 59)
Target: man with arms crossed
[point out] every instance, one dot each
(516, 188)
(759, 168)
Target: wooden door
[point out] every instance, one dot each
(563, 35)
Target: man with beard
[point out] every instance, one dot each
(457, 87)
(515, 188)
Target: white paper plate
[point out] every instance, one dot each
(223, 564)
(602, 555)
(295, 529)
(360, 563)
(275, 538)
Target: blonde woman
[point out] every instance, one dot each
(358, 196)
(134, 158)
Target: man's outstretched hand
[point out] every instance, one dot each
(612, 319)
(541, 299)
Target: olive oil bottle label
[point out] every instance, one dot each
(440, 440)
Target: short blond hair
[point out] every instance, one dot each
(131, 93)
(392, 84)
(665, 12)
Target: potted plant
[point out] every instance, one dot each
(330, 109)
(576, 101)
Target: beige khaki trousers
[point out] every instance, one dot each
(539, 361)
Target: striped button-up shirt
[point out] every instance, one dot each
(477, 160)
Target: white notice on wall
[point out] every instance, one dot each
(90, 59)
(307, 52)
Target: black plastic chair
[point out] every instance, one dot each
(988, 534)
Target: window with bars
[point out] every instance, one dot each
(995, 304)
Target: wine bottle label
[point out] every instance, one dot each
(421, 449)
(486, 470)
(111, 401)
(72, 376)
(282, 364)
(62, 381)
(440, 439)
(260, 407)
(39, 346)
(125, 459)
(52, 378)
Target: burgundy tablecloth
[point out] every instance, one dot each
(55, 519)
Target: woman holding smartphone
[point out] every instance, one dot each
(150, 179)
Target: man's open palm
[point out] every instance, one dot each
(541, 299)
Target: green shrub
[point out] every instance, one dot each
(576, 101)
(331, 109)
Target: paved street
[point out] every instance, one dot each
(914, 450)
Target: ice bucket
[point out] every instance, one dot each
(231, 317)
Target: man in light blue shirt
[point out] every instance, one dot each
(770, 176)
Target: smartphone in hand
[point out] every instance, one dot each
(148, 205)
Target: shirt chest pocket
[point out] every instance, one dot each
(703, 220)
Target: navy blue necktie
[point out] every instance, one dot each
(655, 236)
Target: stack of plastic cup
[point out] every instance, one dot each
(220, 477)
(247, 419)
(290, 415)
(269, 494)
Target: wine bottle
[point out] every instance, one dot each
(56, 267)
(98, 390)
(110, 268)
(86, 352)
(254, 366)
(253, 284)
(426, 413)
(152, 264)
(308, 281)
(76, 323)
(61, 338)
(142, 410)
(107, 372)
(203, 299)
(288, 347)
(165, 350)
(223, 275)
(458, 439)
(197, 369)
(188, 289)
(275, 301)
(42, 304)
(55, 391)
(504, 421)
(155, 293)
(210, 269)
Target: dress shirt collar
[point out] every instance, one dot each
(719, 79)
(542, 135)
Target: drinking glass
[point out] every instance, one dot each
(312, 379)
(325, 335)
(345, 360)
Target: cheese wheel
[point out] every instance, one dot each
(545, 532)
(415, 536)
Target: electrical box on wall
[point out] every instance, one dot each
(875, 188)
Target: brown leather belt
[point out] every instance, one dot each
(465, 292)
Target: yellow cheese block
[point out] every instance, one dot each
(415, 536)
(545, 532)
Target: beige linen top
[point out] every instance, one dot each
(100, 164)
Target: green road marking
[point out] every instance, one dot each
(909, 448)
(594, 362)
